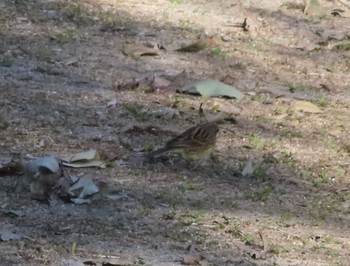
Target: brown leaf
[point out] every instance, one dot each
(194, 47)
(138, 50)
(305, 106)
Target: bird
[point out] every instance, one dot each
(192, 144)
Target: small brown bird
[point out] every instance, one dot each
(193, 144)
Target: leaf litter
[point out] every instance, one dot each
(45, 177)
(90, 158)
(207, 195)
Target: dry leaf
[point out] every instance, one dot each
(305, 106)
(80, 201)
(138, 50)
(211, 88)
(99, 164)
(85, 187)
(248, 170)
(112, 103)
(83, 156)
(194, 47)
(7, 235)
(40, 176)
(90, 158)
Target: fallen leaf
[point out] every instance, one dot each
(99, 164)
(80, 201)
(44, 164)
(73, 178)
(85, 187)
(84, 156)
(194, 47)
(138, 50)
(212, 88)
(72, 62)
(305, 106)
(7, 235)
(112, 103)
(90, 158)
(248, 170)
(40, 176)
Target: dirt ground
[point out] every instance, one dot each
(62, 62)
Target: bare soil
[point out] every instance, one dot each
(61, 62)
